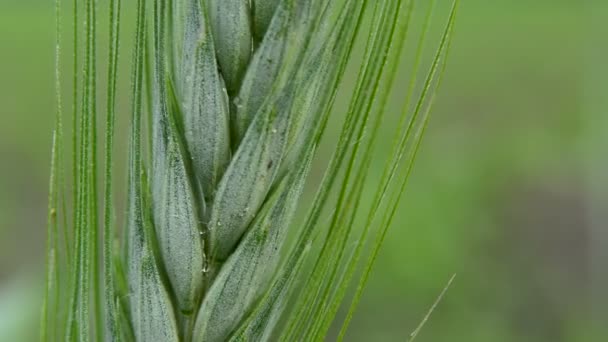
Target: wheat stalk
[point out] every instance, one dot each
(238, 96)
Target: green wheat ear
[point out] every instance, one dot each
(236, 96)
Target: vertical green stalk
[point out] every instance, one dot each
(347, 36)
(92, 107)
(51, 277)
(75, 114)
(111, 323)
(436, 72)
(358, 113)
(393, 51)
(78, 325)
(392, 164)
(51, 247)
(51, 239)
(383, 47)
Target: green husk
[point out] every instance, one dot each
(250, 268)
(231, 27)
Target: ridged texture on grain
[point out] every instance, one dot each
(263, 11)
(153, 306)
(152, 311)
(176, 205)
(204, 102)
(249, 177)
(250, 268)
(178, 232)
(231, 27)
(263, 70)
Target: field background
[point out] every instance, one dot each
(509, 192)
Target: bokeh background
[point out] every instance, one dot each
(510, 190)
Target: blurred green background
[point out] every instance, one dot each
(509, 191)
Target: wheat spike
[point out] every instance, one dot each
(230, 100)
(222, 197)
